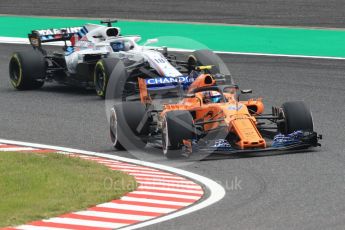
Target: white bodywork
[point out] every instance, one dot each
(98, 41)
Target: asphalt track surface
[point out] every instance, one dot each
(318, 13)
(289, 191)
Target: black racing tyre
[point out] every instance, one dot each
(102, 72)
(297, 116)
(129, 126)
(114, 130)
(27, 70)
(202, 58)
(177, 126)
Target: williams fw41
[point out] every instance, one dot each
(88, 57)
(208, 115)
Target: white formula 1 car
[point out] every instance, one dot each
(89, 55)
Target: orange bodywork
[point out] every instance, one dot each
(232, 114)
(144, 97)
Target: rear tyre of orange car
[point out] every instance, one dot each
(297, 117)
(27, 70)
(102, 72)
(177, 126)
(128, 126)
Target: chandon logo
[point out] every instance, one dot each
(169, 80)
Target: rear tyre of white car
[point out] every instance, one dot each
(27, 70)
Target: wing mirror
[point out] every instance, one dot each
(150, 41)
(242, 96)
(246, 91)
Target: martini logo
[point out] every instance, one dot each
(69, 30)
(168, 80)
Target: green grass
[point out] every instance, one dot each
(230, 38)
(38, 186)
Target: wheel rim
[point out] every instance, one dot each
(100, 79)
(15, 71)
(113, 128)
(282, 127)
(165, 137)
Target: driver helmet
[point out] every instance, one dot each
(211, 97)
(118, 46)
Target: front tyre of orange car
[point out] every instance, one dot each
(177, 126)
(129, 126)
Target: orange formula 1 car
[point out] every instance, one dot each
(210, 117)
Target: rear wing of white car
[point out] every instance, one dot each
(37, 37)
(73, 34)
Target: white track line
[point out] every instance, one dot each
(13, 40)
(32, 227)
(170, 189)
(216, 191)
(134, 171)
(16, 149)
(166, 194)
(153, 201)
(136, 207)
(114, 215)
(179, 182)
(152, 175)
(166, 184)
(181, 179)
(88, 223)
(125, 167)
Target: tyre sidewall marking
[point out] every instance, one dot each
(100, 65)
(16, 84)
